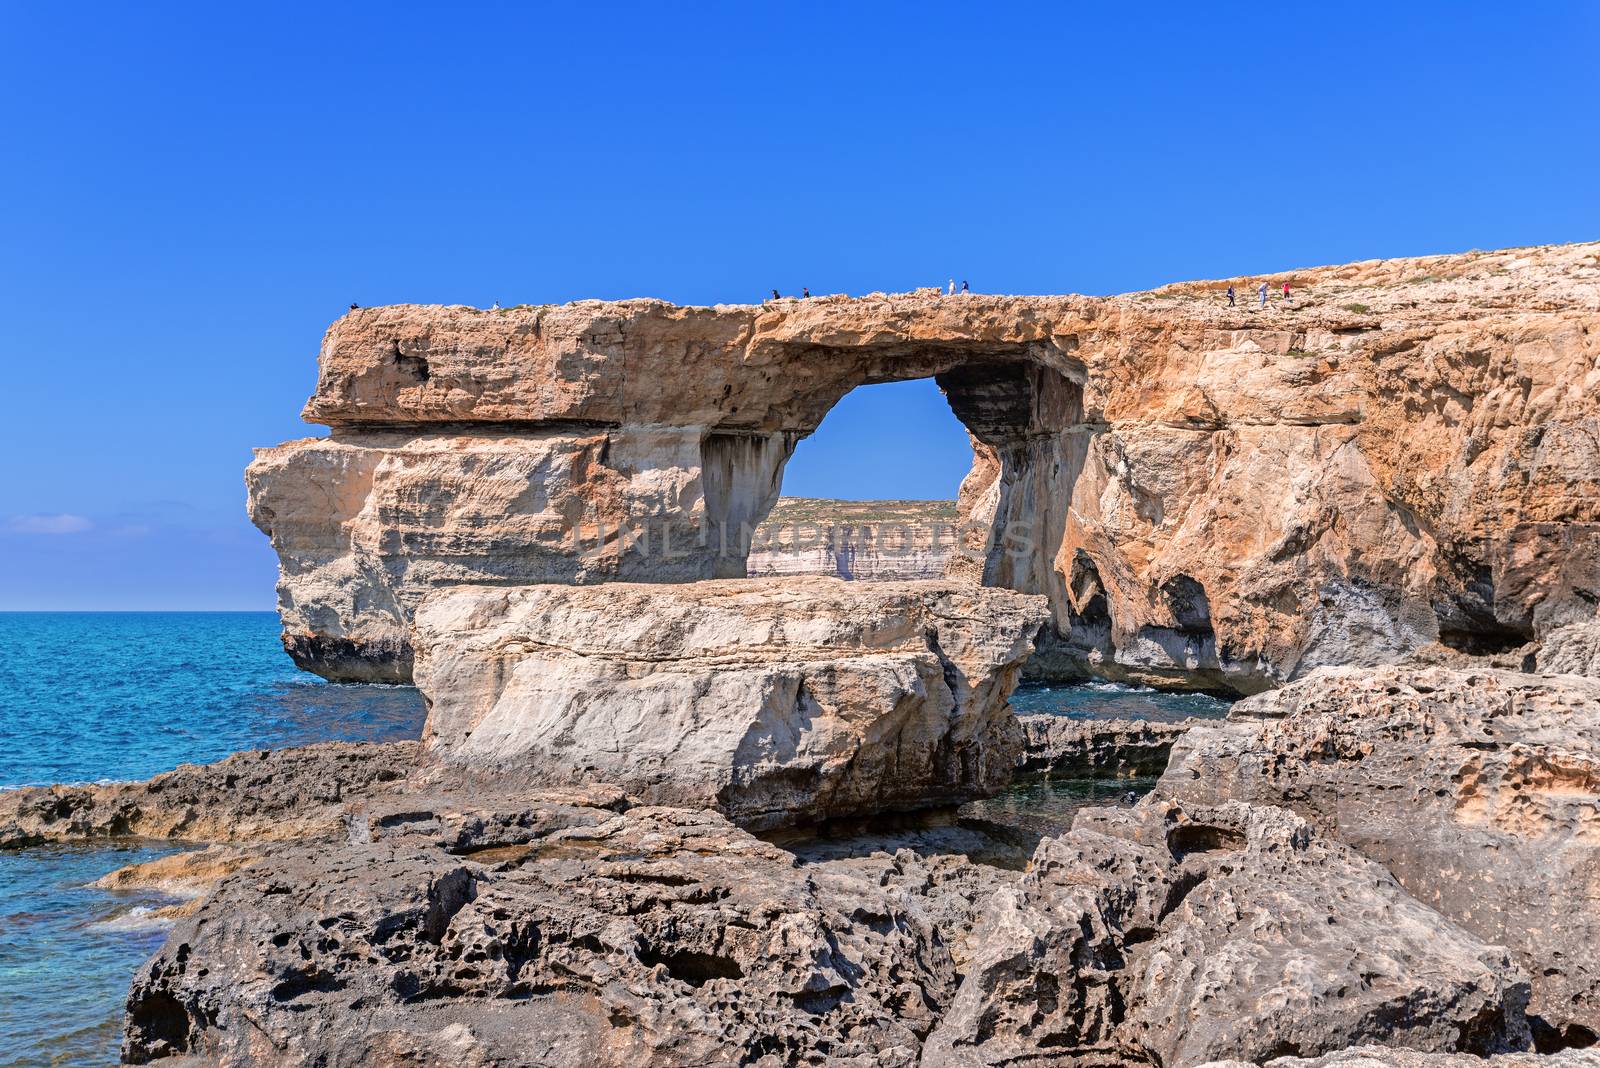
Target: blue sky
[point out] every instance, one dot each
(193, 192)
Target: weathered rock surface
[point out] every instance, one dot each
(1095, 748)
(1159, 936)
(1479, 791)
(773, 701)
(1571, 650)
(1224, 497)
(658, 936)
(576, 927)
(256, 795)
(429, 920)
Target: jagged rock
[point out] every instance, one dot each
(1479, 791)
(1159, 936)
(774, 701)
(1378, 1057)
(1211, 496)
(1091, 748)
(659, 936)
(256, 795)
(1573, 650)
(432, 921)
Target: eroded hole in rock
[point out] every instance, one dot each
(158, 1025)
(870, 495)
(1087, 592)
(1548, 1038)
(1186, 600)
(691, 966)
(1482, 642)
(1466, 610)
(943, 462)
(1190, 838)
(446, 896)
(411, 365)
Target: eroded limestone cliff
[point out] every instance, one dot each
(1405, 453)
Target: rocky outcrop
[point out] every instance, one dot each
(1096, 748)
(657, 936)
(580, 927)
(256, 795)
(1171, 937)
(773, 701)
(1479, 791)
(371, 909)
(1208, 495)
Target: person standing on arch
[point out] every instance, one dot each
(1230, 294)
(951, 291)
(1263, 292)
(1286, 292)
(964, 288)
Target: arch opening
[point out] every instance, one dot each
(1018, 426)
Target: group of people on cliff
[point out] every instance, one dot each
(1261, 290)
(950, 290)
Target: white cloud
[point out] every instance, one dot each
(60, 523)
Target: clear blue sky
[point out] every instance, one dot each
(193, 192)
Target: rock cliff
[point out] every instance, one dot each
(1405, 453)
(867, 541)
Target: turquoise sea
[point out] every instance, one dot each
(90, 696)
(86, 697)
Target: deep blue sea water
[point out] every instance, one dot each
(86, 696)
(94, 696)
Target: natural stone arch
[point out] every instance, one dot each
(1389, 462)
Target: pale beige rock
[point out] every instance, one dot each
(1225, 497)
(775, 701)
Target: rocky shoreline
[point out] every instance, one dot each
(661, 813)
(1238, 912)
